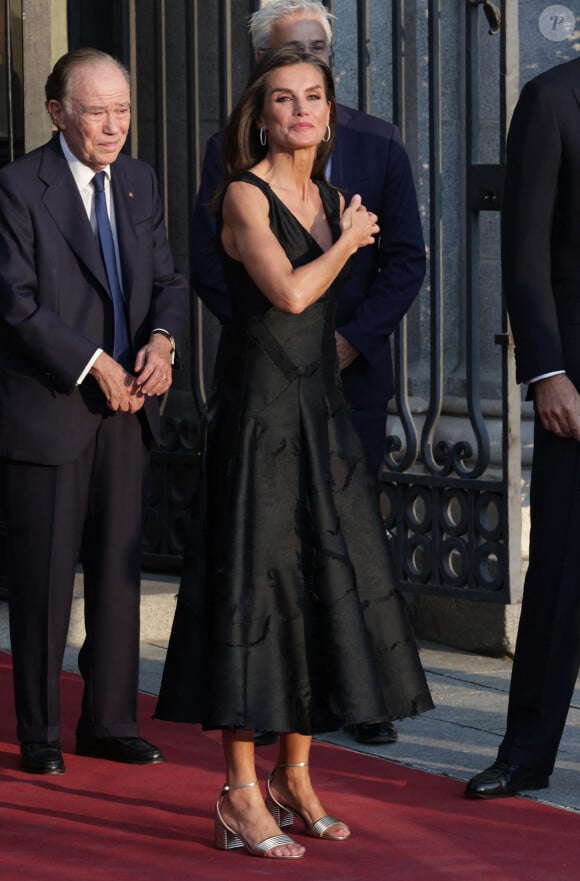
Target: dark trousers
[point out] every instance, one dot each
(89, 510)
(547, 654)
(371, 428)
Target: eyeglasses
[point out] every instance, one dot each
(317, 47)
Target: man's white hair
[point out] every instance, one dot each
(272, 11)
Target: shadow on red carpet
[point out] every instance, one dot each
(103, 821)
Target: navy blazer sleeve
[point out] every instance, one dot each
(535, 152)
(370, 159)
(207, 272)
(168, 304)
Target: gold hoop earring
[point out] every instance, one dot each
(263, 137)
(328, 134)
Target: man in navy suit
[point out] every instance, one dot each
(90, 308)
(541, 269)
(369, 158)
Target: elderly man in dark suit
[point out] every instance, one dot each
(541, 264)
(90, 308)
(369, 158)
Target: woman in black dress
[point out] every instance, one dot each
(289, 619)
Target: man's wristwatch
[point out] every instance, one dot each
(167, 336)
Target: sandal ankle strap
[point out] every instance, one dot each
(227, 787)
(292, 764)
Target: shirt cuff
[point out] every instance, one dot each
(89, 365)
(544, 376)
(171, 338)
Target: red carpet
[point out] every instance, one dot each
(108, 821)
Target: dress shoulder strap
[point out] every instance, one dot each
(250, 178)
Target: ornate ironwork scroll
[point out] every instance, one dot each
(443, 500)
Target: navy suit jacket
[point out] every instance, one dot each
(55, 303)
(541, 224)
(369, 158)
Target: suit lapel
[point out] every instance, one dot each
(127, 238)
(63, 202)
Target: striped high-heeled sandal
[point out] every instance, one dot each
(284, 814)
(227, 839)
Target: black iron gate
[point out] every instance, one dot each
(449, 500)
(11, 78)
(450, 487)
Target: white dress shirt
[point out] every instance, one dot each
(83, 178)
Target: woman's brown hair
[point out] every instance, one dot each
(241, 148)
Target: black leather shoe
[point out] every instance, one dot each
(265, 738)
(374, 732)
(131, 750)
(502, 780)
(41, 758)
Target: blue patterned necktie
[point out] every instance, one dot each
(121, 348)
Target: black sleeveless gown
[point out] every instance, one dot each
(288, 618)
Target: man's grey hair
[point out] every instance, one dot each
(272, 11)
